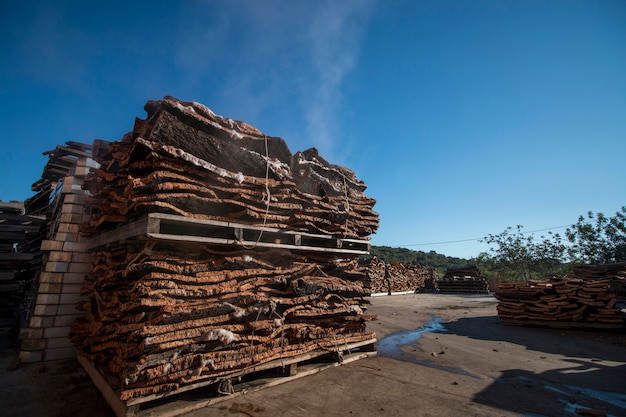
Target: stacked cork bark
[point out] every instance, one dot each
(186, 160)
(397, 277)
(162, 313)
(463, 280)
(615, 272)
(559, 300)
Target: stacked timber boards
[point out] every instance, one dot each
(16, 266)
(216, 251)
(50, 305)
(463, 280)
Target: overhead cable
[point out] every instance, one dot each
(482, 238)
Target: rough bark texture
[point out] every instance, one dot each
(185, 160)
(397, 277)
(616, 273)
(162, 315)
(559, 300)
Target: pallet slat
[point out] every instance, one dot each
(183, 229)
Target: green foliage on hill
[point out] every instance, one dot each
(430, 259)
(517, 255)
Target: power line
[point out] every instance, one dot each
(442, 243)
(481, 238)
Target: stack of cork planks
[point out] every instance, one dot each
(568, 302)
(164, 315)
(186, 160)
(216, 251)
(615, 272)
(398, 277)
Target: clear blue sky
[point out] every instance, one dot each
(462, 117)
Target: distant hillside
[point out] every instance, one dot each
(430, 259)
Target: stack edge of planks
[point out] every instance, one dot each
(17, 260)
(23, 227)
(615, 272)
(559, 300)
(463, 280)
(396, 277)
(162, 314)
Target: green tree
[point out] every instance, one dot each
(510, 255)
(515, 255)
(597, 239)
(549, 256)
(430, 259)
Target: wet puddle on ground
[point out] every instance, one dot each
(392, 346)
(572, 396)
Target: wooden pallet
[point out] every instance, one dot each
(185, 229)
(209, 392)
(472, 290)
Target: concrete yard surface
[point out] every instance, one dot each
(438, 355)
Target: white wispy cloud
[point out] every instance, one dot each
(280, 64)
(277, 58)
(335, 34)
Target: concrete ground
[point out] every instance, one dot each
(438, 355)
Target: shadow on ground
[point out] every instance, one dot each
(559, 392)
(54, 389)
(578, 343)
(591, 374)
